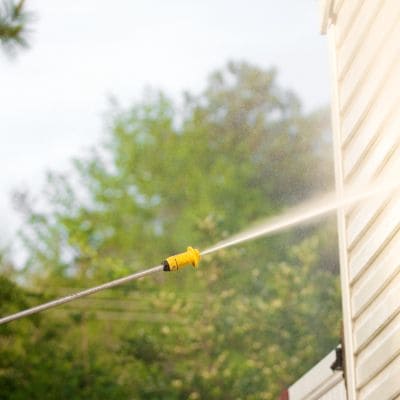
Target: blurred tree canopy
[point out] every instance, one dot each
(14, 25)
(249, 322)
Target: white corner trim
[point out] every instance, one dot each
(344, 269)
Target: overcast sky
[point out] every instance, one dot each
(53, 96)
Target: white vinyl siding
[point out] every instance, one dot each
(320, 383)
(365, 46)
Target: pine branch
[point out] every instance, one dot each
(14, 21)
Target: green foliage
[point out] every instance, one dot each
(242, 326)
(14, 21)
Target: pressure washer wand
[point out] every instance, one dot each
(173, 263)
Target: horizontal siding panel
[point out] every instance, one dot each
(383, 229)
(364, 98)
(387, 172)
(381, 122)
(346, 16)
(379, 353)
(376, 22)
(361, 217)
(384, 308)
(385, 385)
(383, 158)
(369, 20)
(386, 267)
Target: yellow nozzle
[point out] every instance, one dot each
(190, 256)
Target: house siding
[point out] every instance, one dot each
(364, 37)
(320, 383)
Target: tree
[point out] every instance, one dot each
(35, 363)
(244, 324)
(14, 21)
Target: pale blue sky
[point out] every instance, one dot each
(52, 96)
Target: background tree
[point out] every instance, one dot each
(14, 23)
(242, 326)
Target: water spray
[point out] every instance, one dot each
(192, 255)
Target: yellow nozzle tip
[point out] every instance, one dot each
(195, 253)
(190, 256)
